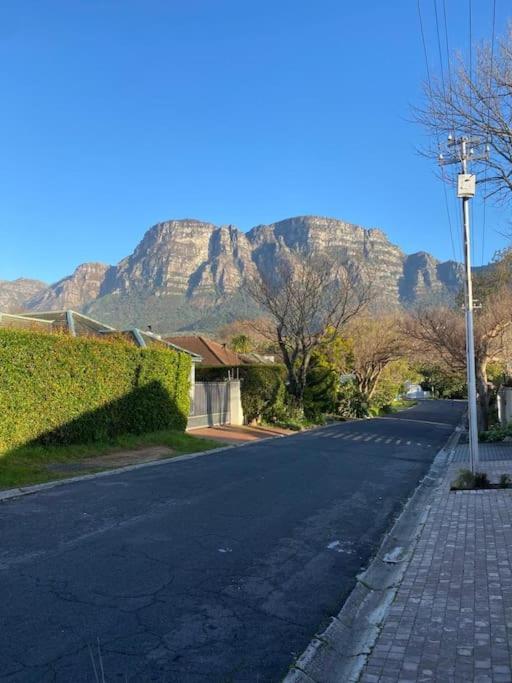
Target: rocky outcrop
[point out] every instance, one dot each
(186, 271)
(74, 291)
(381, 261)
(425, 278)
(14, 293)
(185, 257)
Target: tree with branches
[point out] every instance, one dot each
(307, 298)
(440, 333)
(476, 102)
(376, 342)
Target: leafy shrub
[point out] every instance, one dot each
(56, 389)
(321, 394)
(496, 433)
(467, 480)
(481, 480)
(263, 392)
(505, 481)
(352, 403)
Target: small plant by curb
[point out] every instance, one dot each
(505, 481)
(467, 481)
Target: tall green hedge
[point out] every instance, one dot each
(56, 389)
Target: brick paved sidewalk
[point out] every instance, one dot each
(451, 620)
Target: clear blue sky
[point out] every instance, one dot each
(117, 114)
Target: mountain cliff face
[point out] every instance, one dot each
(187, 274)
(73, 291)
(185, 257)
(14, 293)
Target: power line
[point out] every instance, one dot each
(448, 61)
(443, 180)
(470, 16)
(424, 47)
(488, 123)
(440, 52)
(429, 82)
(439, 49)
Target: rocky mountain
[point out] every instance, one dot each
(187, 274)
(14, 293)
(74, 291)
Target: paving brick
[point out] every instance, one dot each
(452, 616)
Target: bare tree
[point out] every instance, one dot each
(306, 300)
(376, 342)
(439, 333)
(476, 103)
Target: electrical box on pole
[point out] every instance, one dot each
(466, 185)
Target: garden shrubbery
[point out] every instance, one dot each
(56, 389)
(496, 433)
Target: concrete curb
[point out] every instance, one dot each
(339, 653)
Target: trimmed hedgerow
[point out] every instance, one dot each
(56, 389)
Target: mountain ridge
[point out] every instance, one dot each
(182, 271)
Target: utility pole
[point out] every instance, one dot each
(466, 185)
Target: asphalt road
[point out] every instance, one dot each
(215, 569)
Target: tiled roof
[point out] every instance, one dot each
(212, 353)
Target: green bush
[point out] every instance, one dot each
(56, 389)
(496, 433)
(505, 481)
(352, 404)
(481, 480)
(321, 395)
(263, 392)
(466, 480)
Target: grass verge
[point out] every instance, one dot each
(30, 464)
(398, 406)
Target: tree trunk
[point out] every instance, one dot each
(483, 395)
(367, 383)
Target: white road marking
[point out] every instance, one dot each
(225, 550)
(408, 443)
(388, 441)
(356, 438)
(379, 438)
(369, 438)
(340, 547)
(398, 442)
(410, 419)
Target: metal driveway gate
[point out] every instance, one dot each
(210, 405)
